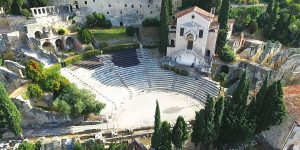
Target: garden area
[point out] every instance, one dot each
(115, 35)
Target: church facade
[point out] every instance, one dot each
(192, 38)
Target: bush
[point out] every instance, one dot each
(61, 32)
(34, 91)
(107, 24)
(9, 54)
(130, 31)
(84, 36)
(26, 13)
(253, 26)
(104, 44)
(120, 47)
(88, 48)
(26, 146)
(227, 54)
(95, 20)
(90, 54)
(150, 22)
(72, 60)
(166, 66)
(34, 71)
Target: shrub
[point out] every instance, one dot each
(53, 68)
(104, 44)
(34, 91)
(227, 54)
(88, 48)
(72, 60)
(184, 73)
(34, 71)
(61, 32)
(9, 54)
(95, 20)
(166, 66)
(26, 13)
(84, 36)
(253, 26)
(90, 54)
(120, 47)
(150, 22)
(130, 31)
(107, 24)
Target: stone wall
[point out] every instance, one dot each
(10, 80)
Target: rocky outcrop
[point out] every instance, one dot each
(15, 67)
(10, 80)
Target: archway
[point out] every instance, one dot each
(47, 46)
(59, 44)
(38, 34)
(207, 53)
(190, 39)
(70, 43)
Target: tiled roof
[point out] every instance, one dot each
(198, 10)
(292, 101)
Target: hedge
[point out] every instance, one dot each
(72, 60)
(53, 68)
(120, 47)
(150, 46)
(90, 54)
(176, 70)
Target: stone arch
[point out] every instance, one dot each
(38, 35)
(59, 44)
(70, 43)
(211, 30)
(48, 46)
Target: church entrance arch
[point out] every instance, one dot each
(70, 43)
(59, 44)
(190, 39)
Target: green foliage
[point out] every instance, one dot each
(270, 7)
(227, 54)
(25, 12)
(114, 146)
(219, 109)
(221, 40)
(34, 91)
(95, 20)
(224, 14)
(107, 24)
(38, 3)
(88, 48)
(9, 54)
(170, 7)
(72, 60)
(16, 7)
(26, 146)
(155, 139)
(97, 146)
(34, 71)
(79, 146)
(150, 22)
(80, 102)
(10, 112)
(180, 133)
(262, 19)
(198, 128)
(165, 142)
(163, 27)
(130, 31)
(61, 32)
(38, 145)
(84, 36)
(90, 54)
(253, 27)
(268, 31)
(175, 69)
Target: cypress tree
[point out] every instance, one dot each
(10, 112)
(165, 137)
(224, 14)
(240, 95)
(209, 132)
(219, 108)
(179, 133)
(164, 18)
(157, 124)
(270, 7)
(170, 7)
(198, 128)
(221, 40)
(270, 24)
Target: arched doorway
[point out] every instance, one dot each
(38, 34)
(207, 53)
(59, 44)
(70, 43)
(47, 46)
(190, 39)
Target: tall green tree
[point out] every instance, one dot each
(10, 111)
(163, 27)
(170, 7)
(198, 128)
(224, 14)
(236, 127)
(219, 108)
(221, 40)
(270, 7)
(165, 136)
(157, 125)
(37, 3)
(270, 24)
(179, 133)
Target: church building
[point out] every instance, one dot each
(192, 38)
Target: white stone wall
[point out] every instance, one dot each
(293, 139)
(211, 41)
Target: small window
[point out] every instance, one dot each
(125, 5)
(148, 6)
(121, 12)
(156, 6)
(151, 12)
(109, 5)
(140, 6)
(76, 2)
(181, 31)
(121, 24)
(132, 6)
(211, 30)
(94, 1)
(173, 27)
(34, 11)
(107, 12)
(85, 2)
(193, 16)
(137, 12)
(200, 33)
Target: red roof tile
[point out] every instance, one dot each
(198, 10)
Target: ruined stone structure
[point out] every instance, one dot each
(45, 11)
(120, 13)
(15, 67)
(9, 79)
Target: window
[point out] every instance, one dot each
(107, 12)
(173, 27)
(190, 45)
(132, 6)
(94, 1)
(211, 30)
(137, 12)
(148, 6)
(156, 6)
(125, 5)
(121, 24)
(207, 54)
(172, 43)
(200, 33)
(181, 31)
(109, 5)
(151, 12)
(193, 16)
(140, 6)
(121, 12)
(85, 2)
